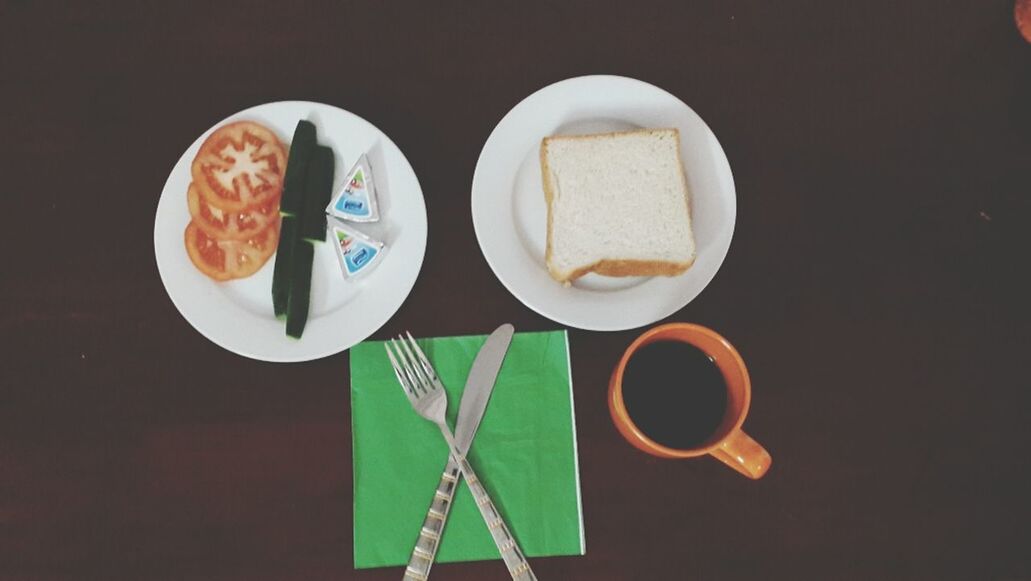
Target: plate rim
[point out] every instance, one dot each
(313, 353)
(560, 317)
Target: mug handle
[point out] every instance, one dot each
(742, 453)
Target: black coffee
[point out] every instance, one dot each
(674, 393)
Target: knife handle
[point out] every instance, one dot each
(517, 564)
(425, 550)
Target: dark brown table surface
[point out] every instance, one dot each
(876, 285)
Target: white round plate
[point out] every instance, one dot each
(510, 214)
(238, 314)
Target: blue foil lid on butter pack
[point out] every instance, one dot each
(356, 201)
(357, 253)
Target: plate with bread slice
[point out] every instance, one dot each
(603, 203)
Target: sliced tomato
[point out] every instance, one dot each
(229, 259)
(239, 165)
(225, 225)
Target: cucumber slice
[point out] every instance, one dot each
(288, 239)
(296, 167)
(318, 190)
(300, 288)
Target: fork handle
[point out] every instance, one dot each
(517, 564)
(425, 550)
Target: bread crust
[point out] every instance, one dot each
(548, 197)
(613, 134)
(627, 268)
(608, 267)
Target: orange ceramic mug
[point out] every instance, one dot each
(728, 444)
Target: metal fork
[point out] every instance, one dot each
(427, 395)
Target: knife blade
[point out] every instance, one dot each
(479, 385)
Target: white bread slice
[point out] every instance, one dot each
(617, 205)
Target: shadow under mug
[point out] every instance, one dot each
(728, 444)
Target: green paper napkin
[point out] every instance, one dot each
(524, 452)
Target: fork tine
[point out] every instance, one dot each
(410, 367)
(424, 361)
(425, 379)
(407, 369)
(422, 356)
(406, 385)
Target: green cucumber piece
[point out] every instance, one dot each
(296, 166)
(300, 288)
(318, 189)
(288, 239)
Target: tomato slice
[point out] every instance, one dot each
(229, 259)
(239, 165)
(224, 225)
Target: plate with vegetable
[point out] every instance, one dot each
(290, 231)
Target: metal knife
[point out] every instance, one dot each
(478, 387)
(480, 384)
